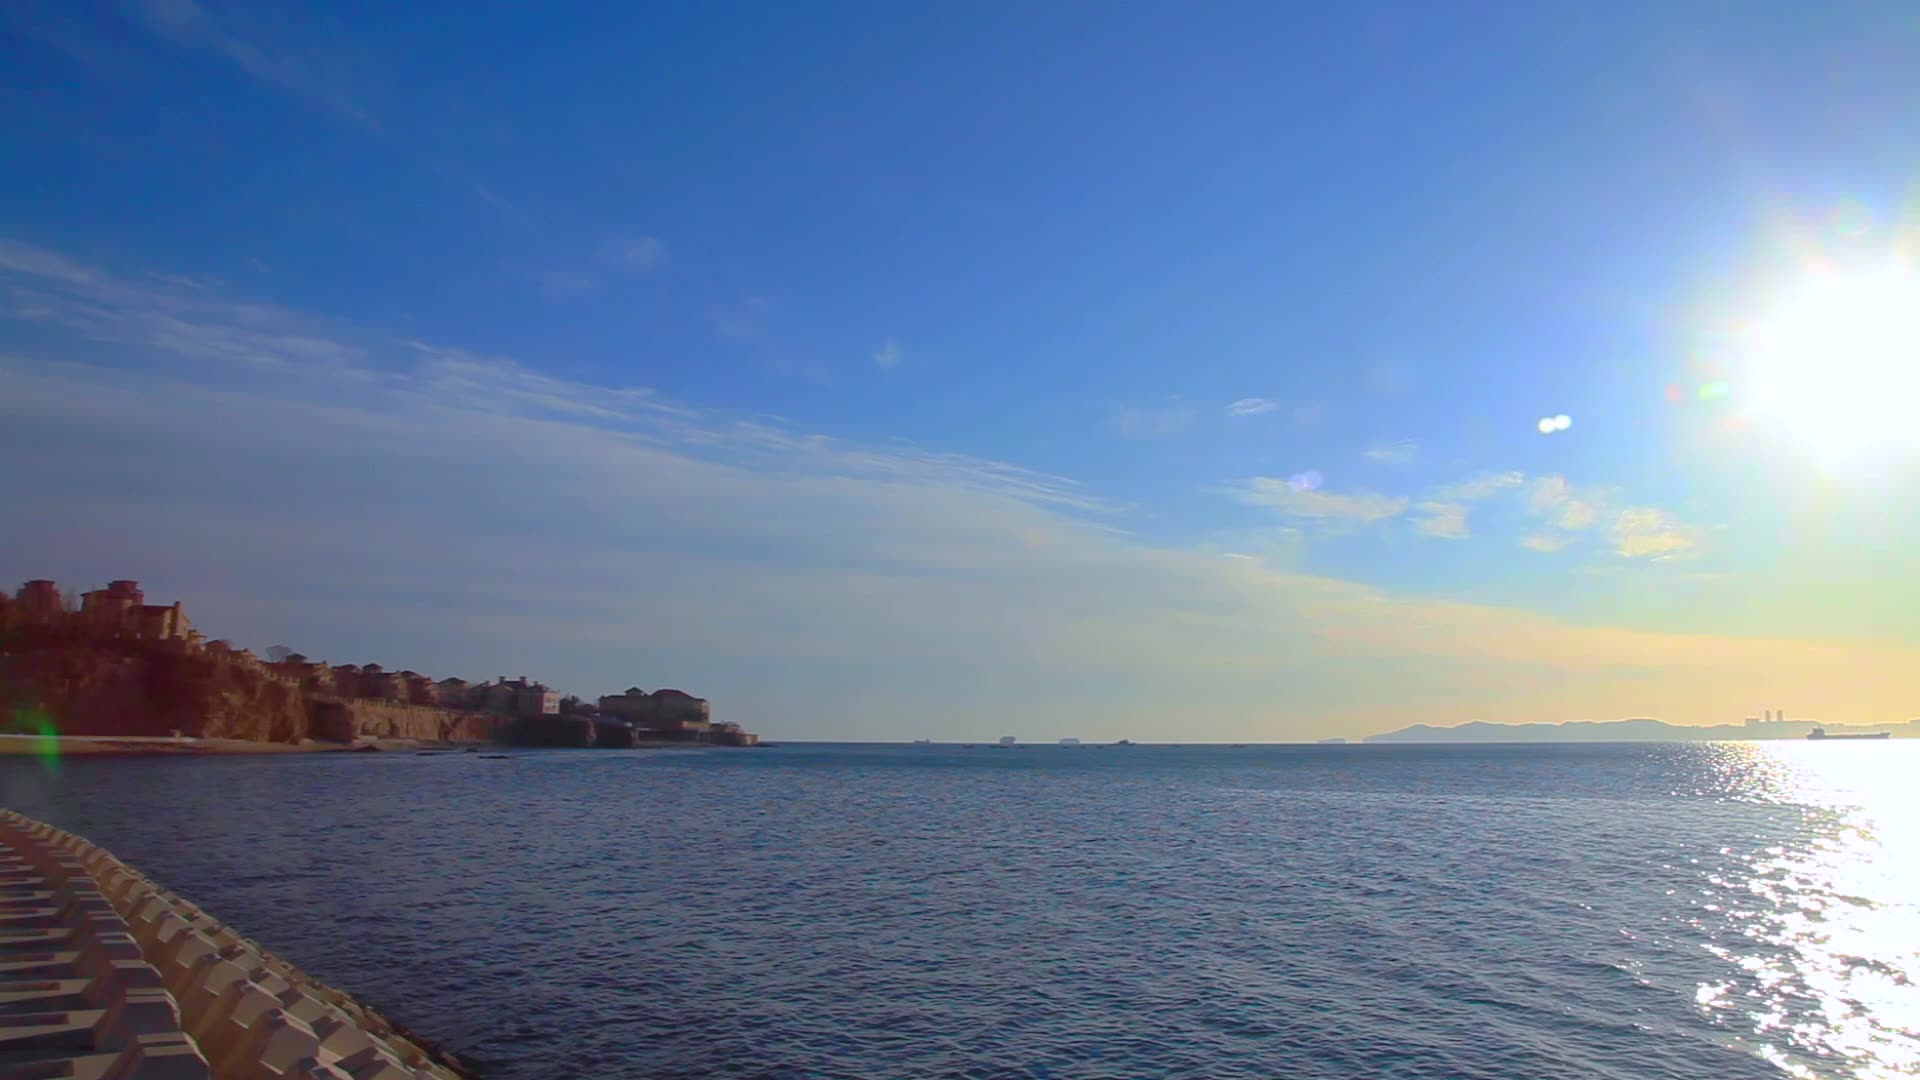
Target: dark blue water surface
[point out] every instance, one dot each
(1688, 911)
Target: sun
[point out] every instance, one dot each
(1834, 362)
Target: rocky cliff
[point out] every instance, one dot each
(121, 687)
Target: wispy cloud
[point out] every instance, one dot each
(888, 355)
(160, 312)
(1482, 486)
(1566, 506)
(1447, 521)
(1643, 532)
(1151, 421)
(557, 283)
(1298, 500)
(1390, 377)
(289, 58)
(1400, 452)
(1250, 406)
(480, 515)
(741, 320)
(641, 254)
(1565, 509)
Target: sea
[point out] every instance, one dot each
(888, 912)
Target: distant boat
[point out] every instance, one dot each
(1005, 741)
(1124, 742)
(923, 742)
(1819, 734)
(1069, 742)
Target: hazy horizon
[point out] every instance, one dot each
(1231, 374)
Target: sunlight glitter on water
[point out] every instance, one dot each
(1822, 937)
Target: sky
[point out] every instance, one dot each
(1187, 372)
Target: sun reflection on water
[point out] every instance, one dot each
(1820, 933)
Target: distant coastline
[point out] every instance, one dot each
(104, 672)
(1633, 730)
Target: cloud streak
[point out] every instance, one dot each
(1300, 501)
(1643, 532)
(408, 501)
(1151, 421)
(1402, 452)
(287, 61)
(1445, 521)
(640, 254)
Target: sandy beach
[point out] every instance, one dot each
(151, 746)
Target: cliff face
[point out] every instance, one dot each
(117, 687)
(346, 720)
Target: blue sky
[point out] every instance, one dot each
(886, 370)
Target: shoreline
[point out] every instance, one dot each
(187, 746)
(17, 745)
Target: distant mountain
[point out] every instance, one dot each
(1636, 730)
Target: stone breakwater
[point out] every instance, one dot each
(105, 975)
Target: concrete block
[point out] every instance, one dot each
(148, 915)
(117, 881)
(182, 950)
(40, 996)
(374, 1063)
(150, 909)
(202, 989)
(100, 950)
(189, 962)
(236, 1011)
(136, 1013)
(118, 978)
(64, 868)
(66, 891)
(273, 1041)
(128, 892)
(153, 934)
(85, 903)
(30, 918)
(311, 1069)
(270, 980)
(307, 1010)
(159, 1057)
(84, 932)
(342, 1037)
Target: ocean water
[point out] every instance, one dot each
(1444, 913)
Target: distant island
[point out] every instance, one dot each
(1770, 726)
(109, 672)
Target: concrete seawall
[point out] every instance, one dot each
(105, 975)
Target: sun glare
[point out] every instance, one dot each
(1835, 363)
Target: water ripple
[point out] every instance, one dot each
(1465, 913)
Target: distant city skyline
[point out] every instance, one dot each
(1225, 373)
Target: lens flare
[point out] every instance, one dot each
(38, 724)
(1834, 362)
